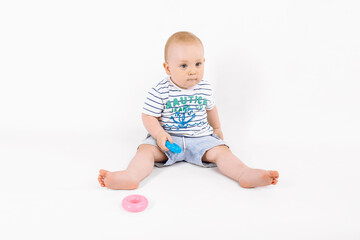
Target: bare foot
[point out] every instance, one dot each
(257, 177)
(120, 180)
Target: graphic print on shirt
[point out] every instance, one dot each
(183, 114)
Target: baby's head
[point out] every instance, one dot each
(184, 59)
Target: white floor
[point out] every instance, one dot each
(49, 190)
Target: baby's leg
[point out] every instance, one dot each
(139, 168)
(233, 167)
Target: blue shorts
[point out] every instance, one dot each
(193, 149)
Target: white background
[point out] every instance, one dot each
(73, 77)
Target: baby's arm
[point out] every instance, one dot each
(153, 126)
(214, 121)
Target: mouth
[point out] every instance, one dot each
(192, 79)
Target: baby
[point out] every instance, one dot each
(181, 109)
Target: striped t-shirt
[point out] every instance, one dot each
(181, 112)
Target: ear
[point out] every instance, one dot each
(167, 68)
(204, 59)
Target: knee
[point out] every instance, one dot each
(216, 153)
(146, 149)
(153, 151)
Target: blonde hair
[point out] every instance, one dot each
(183, 37)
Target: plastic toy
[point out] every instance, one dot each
(135, 203)
(173, 147)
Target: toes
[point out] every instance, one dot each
(103, 172)
(274, 182)
(102, 175)
(274, 174)
(100, 178)
(101, 181)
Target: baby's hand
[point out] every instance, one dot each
(161, 140)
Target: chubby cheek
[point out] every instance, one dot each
(181, 76)
(178, 79)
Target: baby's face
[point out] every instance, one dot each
(185, 64)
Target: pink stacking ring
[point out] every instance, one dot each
(135, 203)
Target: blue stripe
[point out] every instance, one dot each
(155, 90)
(200, 115)
(154, 101)
(191, 95)
(152, 111)
(182, 130)
(162, 88)
(153, 106)
(211, 105)
(157, 96)
(206, 127)
(162, 82)
(169, 120)
(160, 92)
(190, 105)
(204, 120)
(196, 89)
(197, 114)
(195, 120)
(203, 89)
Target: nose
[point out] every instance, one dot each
(192, 71)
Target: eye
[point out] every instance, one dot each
(183, 66)
(198, 64)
